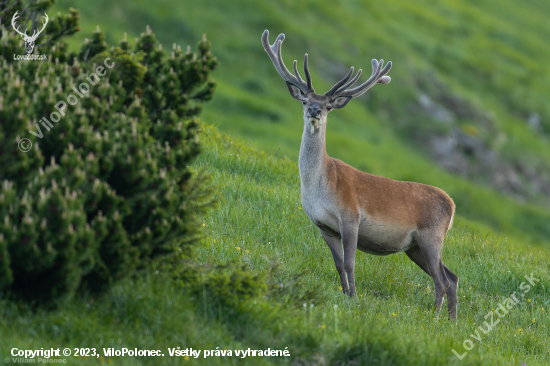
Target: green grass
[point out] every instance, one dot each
(259, 217)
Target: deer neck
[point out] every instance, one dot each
(313, 154)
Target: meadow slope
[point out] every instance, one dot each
(259, 221)
(260, 217)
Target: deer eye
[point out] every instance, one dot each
(304, 102)
(329, 108)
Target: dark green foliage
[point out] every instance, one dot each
(109, 187)
(230, 283)
(235, 281)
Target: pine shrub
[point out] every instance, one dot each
(230, 283)
(108, 188)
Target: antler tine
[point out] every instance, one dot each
(340, 83)
(271, 50)
(377, 76)
(274, 53)
(351, 82)
(308, 75)
(295, 65)
(288, 76)
(384, 79)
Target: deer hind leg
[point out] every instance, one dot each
(452, 293)
(335, 246)
(427, 255)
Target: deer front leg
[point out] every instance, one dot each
(335, 246)
(349, 231)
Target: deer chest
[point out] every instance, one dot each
(321, 209)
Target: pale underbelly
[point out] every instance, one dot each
(379, 241)
(367, 246)
(376, 240)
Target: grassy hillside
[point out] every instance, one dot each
(485, 61)
(260, 219)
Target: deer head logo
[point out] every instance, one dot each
(29, 40)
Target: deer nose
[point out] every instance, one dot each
(313, 112)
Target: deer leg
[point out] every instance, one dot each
(427, 255)
(415, 254)
(335, 246)
(349, 239)
(452, 293)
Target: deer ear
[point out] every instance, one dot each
(295, 92)
(340, 102)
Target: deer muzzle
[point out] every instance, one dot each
(314, 124)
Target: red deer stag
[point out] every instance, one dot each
(356, 210)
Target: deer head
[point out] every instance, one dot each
(316, 106)
(29, 40)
